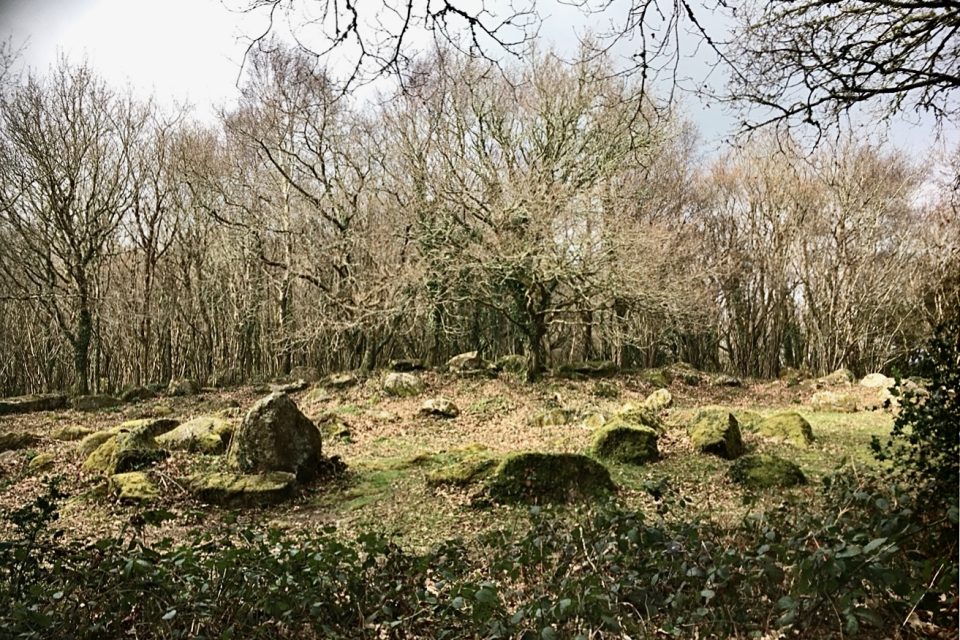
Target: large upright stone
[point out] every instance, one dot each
(469, 361)
(401, 385)
(276, 436)
(717, 431)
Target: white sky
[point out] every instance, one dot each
(190, 50)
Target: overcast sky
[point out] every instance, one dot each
(191, 50)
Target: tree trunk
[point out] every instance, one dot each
(81, 349)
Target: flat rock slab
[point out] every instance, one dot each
(29, 404)
(206, 434)
(242, 490)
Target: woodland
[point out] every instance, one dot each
(575, 373)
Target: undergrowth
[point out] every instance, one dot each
(864, 564)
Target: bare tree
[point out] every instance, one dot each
(67, 182)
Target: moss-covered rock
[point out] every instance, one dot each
(16, 440)
(402, 385)
(594, 420)
(553, 417)
(463, 473)
(138, 394)
(206, 434)
(70, 433)
(656, 377)
(748, 420)
(92, 442)
(539, 478)
(439, 407)
(717, 432)
(834, 401)
(658, 401)
(41, 462)
(94, 402)
(32, 403)
(133, 486)
(877, 381)
(765, 471)
(242, 490)
(841, 376)
(788, 426)
(276, 436)
(183, 387)
(342, 380)
(605, 389)
(622, 442)
(639, 415)
(685, 373)
(126, 450)
(466, 362)
(724, 380)
(587, 369)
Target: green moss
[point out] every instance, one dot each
(490, 405)
(205, 434)
(621, 442)
(605, 389)
(765, 471)
(748, 420)
(551, 418)
(789, 426)
(241, 490)
(658, 401)
(639, 415)
(548, 478)
(464, 473)
(41, 461)
(656, 377)
(587, 369)
(717, 432)
(70, 433)
(134, 486)
(514, 363)
(126, 450)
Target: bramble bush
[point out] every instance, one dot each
(862, 564)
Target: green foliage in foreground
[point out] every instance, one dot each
(924, 445)
(858, 566)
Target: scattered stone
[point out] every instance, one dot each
(833, 401)
(138, 394)
(639, 415)
(32, 403)
(340, 380)
(92, 442)
(402, 384)
(588, 369)
(41, 461)
(605, 389)
(717, 432)
(763, 471)
(685, 373)
(877, 381)
(333, 427)
(594, 420)
(16, 440)
(841, 376)
(306, 373)
(160, 411)
(406, 365)
(789, 426)
(276, 436)
(133, 486)
(242, 490)
(658, 401)
(727, 381)
(793, 377)
(206, 434)
(540, 478)
(551, 418)
(128, 449)
(441, 407)
(183, 387)
(622, 442)
(656, 377)
(381, 415)
(289, 387)
(70, 433)
(94, 402)
(466, 363)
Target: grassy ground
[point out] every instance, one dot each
(391, 450)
